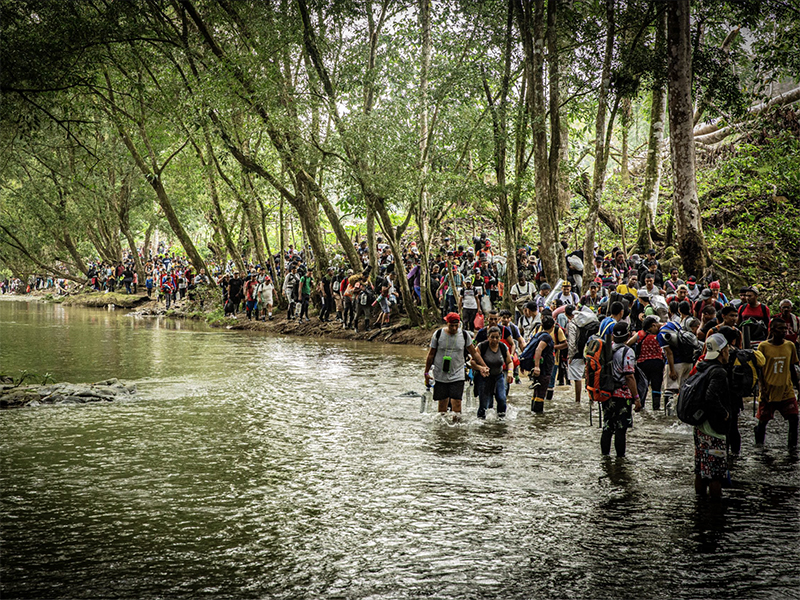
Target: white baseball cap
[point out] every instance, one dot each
(714, 345)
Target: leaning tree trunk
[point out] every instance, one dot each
(372, 245)
(652, 177)
(691, 242)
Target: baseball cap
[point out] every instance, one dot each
(643, 294)
(621, 330)
(706, 293)
(452, 318)
(683, 286)
(544, 286)
(714, 344)
(692, 279)
(714, 285)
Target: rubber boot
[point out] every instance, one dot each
(793, 420)
(537, 405)
(549, 394)
(761, 433)
(656, 401)
(605, 441)
(619, 442)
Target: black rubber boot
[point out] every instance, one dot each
(656, 401)
(605, 442)
(793, 432)
(761, 433)
(537, 405)
(619, 442)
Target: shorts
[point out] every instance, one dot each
(442, 390)
(265, 298)
(576, 368)
(766, 410)
(674, 385)
(617, 415)
(710, 456)
(251, 304)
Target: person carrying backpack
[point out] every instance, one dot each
(617, 416)
(671, 338)
(497, 357)
(543, 362)
(581, 326)
(754, 317)
(778, 380)
(650, 358)
(444, 365)
(707, 393)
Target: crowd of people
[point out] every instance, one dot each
(635, 332)
(638, 329)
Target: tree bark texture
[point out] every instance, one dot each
(652, 176)
(531, 22)
(691, 243)
(600, 153)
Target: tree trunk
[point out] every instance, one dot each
(270, 257)
(530, 20)
(172, 218)
(652, 177)
(208, 163)
(392, 238)
(69, 243)
(423, 199)
(147, 237)
(308, 211)
(554, 159)
(564, 193)
(600, 153)
(691, 243)
(336, 223)
(624, 172)
(283, 239)
(372, 244)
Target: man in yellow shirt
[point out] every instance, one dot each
(631, 287)
(778, 378)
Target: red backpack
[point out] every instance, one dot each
(599, 357)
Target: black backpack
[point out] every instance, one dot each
(584, 333)
(438, 334)
(691, 407)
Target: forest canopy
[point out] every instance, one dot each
(234, 128)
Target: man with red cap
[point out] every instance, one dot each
(716, 292)
(445, 364)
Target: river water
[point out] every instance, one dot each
(252, 466)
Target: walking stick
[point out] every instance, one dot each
(590, 413)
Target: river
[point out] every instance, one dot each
(252, 466)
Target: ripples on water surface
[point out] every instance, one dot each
(254, 466)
